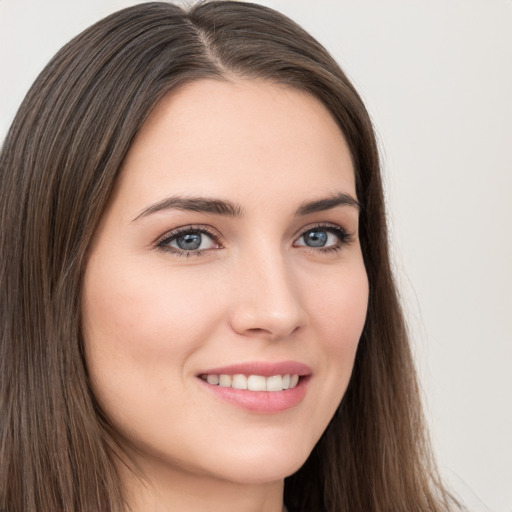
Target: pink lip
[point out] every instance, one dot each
(261, 368)
(262, 402)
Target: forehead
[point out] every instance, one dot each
(245, 136)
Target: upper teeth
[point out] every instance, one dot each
(253, 382)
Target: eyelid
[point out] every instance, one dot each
(321, 225)
(160, 242)
(344, 236)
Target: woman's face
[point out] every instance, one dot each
(227, 257)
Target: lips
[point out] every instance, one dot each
(258, 386)
(267, 369)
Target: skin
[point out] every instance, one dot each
(153, 318)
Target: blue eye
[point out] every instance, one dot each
(188, 241)
(323, 237)
(315, 238)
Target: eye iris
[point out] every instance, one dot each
(315, 238)
(189, 242)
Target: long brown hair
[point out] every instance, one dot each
(58, 165)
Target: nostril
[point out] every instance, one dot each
(266, 302)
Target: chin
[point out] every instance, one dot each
(272, 470)
(256, 464)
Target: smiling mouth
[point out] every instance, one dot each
(259, 387)
(253, 382)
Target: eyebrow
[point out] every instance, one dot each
(320, 205)
(194, 204)
(229, 209)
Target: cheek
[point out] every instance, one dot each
(339, 308)
(142, 310)
(140, 327)
(337, 314)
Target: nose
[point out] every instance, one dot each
(267, 301)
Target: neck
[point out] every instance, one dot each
(187, 492)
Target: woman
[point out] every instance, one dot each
(198, 311)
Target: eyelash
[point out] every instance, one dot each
(344, 238)
(162, 244)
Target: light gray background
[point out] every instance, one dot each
(437, 79)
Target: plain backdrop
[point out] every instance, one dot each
(437, 79)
